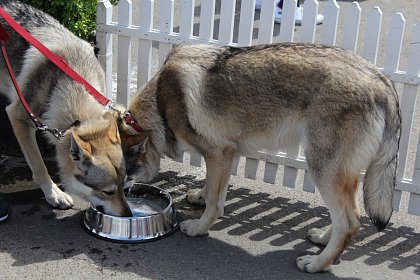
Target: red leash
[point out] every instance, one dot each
(60, 63)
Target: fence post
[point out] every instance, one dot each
(207, 20)
(124, 53)
(329, 27)
(287, 27)
(144, 59)
(246, 23)
(307, 34)
(351, 28)
(373, 31)
(227, 21)
(413, 68)
(166, 27)
(265, 30)
(186, 19)
(104, 42)
(395, 38)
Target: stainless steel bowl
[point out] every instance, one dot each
(154, 217)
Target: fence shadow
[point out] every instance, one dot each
(280, 221)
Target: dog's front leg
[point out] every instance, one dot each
(217, 179)
(25, 134)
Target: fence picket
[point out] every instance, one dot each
(186, 18)
(287, 26)
(307, 34)
(330, 24)
(372, 35)
(246, 23)
(290, 173)
(144, 59)
(227, 21)
(351, 28)
(308, 184)
(413, 204)
(186, 31)
(166, 26)
(395, 38)
(270, 172)
(104, 43)
(195, 159)
(125, 12)
(251, 166)
(235, 166)
(207, 19)
(265, 31)
(408, 101)
(413, 68)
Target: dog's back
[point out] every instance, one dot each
(234, 95)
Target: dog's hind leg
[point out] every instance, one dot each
(25, 134)
(339, 194)
(218, 165)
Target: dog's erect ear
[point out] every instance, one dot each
(80, 151)
(113, 133)
(141, 147)
(135, 143)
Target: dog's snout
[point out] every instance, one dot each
(127, 213)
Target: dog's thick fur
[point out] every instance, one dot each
(89, 157)
(223, 101)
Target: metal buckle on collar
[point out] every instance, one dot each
(126, 116)
(131, 121)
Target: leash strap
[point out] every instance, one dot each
(4, 36)
(38, 124)
(60, 63)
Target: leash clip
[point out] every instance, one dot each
(126, 116)
(110, 106)
(57, 133)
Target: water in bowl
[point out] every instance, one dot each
(141, 207)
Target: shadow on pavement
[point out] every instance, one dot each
(35, 233)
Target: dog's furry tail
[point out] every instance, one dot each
(380, 177)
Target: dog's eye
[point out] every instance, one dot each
(109, 193)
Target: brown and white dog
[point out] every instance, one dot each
(223, 101)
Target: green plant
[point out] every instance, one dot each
(79, 16)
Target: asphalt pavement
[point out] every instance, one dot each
(262, 233)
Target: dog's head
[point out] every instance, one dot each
(141, 155)
(99, 166)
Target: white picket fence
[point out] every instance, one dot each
(291, 164)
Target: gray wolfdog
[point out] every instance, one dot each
(89, 157)
(223, 101)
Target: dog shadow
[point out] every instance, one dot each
(35, 233)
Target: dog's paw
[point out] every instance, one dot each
(59, 199)
(193, 228)
(318, 236)
(196, 197)
(310, 264)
